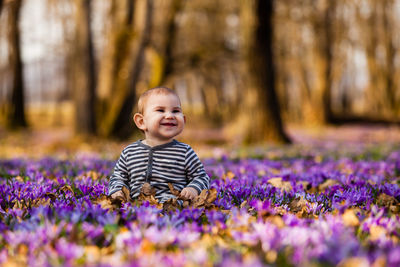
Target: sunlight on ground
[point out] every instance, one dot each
(61, 142)
(50, 133)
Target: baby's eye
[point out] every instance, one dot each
(160, 110)
(176, 111)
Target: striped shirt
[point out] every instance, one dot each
(174, 162)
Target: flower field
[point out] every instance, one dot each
(304, 210)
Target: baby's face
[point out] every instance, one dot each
(163, 118)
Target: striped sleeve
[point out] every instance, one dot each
(197, 176)
(120, 176)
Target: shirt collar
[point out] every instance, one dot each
(140, 143)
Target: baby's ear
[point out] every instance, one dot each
(139, 121)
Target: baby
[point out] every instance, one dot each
(159, 159)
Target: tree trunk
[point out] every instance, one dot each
(119, 110)
(122, 129)
(130, 12)
(114, 66)
(266, 122)
(16, 112)
(117, 62)
(371, 43)
(306, 105)
(390, 68)
(84, 71)
(327, 53)
(322, 21)
(171, 33)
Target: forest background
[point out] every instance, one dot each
(247, 71)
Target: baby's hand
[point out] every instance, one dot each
(117, 194)
(189, 193)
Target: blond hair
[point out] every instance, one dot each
(156, 90)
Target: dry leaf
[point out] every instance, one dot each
(379, 262)
(278, 183)
(276, 220)
(244, 205)
(390, 202)
(40, 202)
(350, 218)
(204, 200)
(228, 176)
(226, 212)
(200, 200)
(94, 175)
(105, 202)
(93, 252)
(118, 201)
(65, 188)
(212, 195)
(148, 193)
(173, 190)
(153, 200)
(326, 184)
(395, 208)
(148, 190)
(297, 205)
(312, 190)
(305, 184)
(271, 256)
(354, 262)
(19, 179)
(52, 196)
(127, 194)
(386, 200)
(185, 203)
(170, 205)
(280, 210)
(376, 232)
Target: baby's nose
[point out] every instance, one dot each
(169, 114)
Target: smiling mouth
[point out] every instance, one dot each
(168, 124)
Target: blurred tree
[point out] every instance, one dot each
(115, 64)
(368, 24)
(122, 129)
(84, 78)
(388, 10)
(122, 67)
(323, 19)
(205, 59)
(264, 111)
(305, 42)
(16, 110)
(376, 22)
(336, 61)
(170, 39)
(293, 72)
